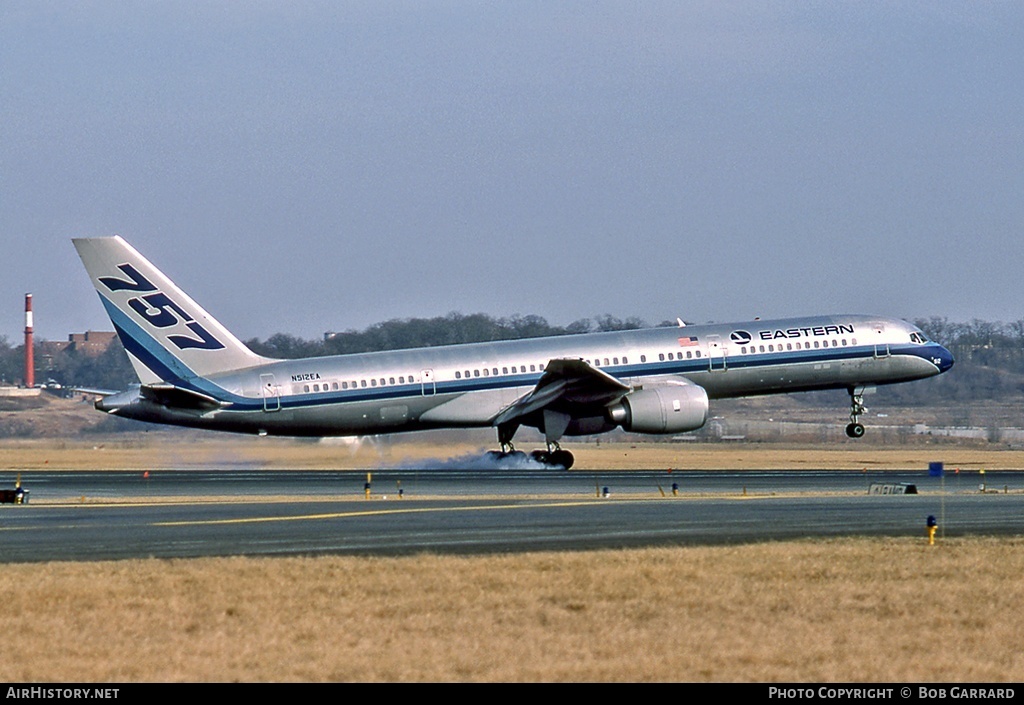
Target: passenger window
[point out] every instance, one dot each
(643, 358)
(305, 387)
(458, 375)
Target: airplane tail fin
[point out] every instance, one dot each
(168, 336)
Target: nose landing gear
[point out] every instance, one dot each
(855, 429)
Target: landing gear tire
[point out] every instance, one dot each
(854, 430)
(561, 458)
(557, 458)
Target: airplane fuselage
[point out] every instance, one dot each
(193, 372)
(468, 385)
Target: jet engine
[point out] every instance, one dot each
(665, 408)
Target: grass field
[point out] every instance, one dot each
(863, 610)
(206, 450)
(853, 610)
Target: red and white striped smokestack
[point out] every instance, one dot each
(30, 365)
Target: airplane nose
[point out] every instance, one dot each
(945, 359)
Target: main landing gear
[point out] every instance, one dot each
(554, 457)
(855, 429)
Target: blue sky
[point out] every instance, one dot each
(301, 167)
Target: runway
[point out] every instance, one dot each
(183, 514)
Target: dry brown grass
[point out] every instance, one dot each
(845, 610)
(185, 451)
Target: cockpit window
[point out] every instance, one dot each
(916, 337)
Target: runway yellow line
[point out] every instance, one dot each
(372, 512)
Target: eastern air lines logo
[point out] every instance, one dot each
(160, 311)
(740, 337)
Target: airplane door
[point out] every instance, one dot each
(717, 354)
(271, 393)
(427, 386)
(881, 345)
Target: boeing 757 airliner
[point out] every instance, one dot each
(193, 372)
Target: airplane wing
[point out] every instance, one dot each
(565, 380)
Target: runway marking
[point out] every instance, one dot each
(371, 512)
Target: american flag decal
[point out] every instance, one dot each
(684, 342)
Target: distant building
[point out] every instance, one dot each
(92, 343)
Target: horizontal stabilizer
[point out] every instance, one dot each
(96, 392)
(178, 398)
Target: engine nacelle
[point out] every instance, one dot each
(666, 408)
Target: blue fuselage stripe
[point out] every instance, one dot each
(641, 370)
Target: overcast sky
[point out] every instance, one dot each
(301, 167)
